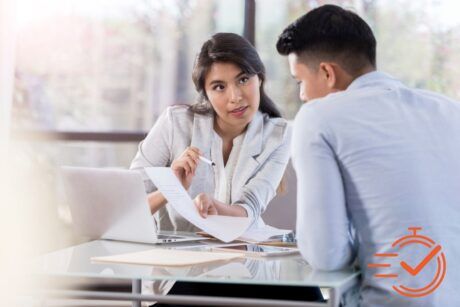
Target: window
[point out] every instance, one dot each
(115, 65)
(419, 44)
(108, 65)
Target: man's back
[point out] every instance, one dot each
(396, 151)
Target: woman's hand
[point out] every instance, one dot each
(205, 205)
(184, 167)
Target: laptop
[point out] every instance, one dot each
(112, 204)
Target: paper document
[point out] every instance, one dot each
(260, 234)
(167, 257)
(224, 228)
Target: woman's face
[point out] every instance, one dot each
(233, 94)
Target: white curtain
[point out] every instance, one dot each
(7, 45)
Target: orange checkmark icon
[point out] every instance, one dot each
(421, 265)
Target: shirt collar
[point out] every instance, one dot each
(371, 79)
(252, 138)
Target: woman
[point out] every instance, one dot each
(234, 124)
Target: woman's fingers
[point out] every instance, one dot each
(185, 165)
(192, 156)
(212, 210)
(194, 150)
(200, 207)
(191, 165)
(182, 165)
(203, 204)
(187, 162)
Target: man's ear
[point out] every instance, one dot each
(329, 73)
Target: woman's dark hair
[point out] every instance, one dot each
(229, 48)
(330, 33)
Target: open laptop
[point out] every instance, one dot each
(112, 204)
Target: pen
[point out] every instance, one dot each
(207, 161)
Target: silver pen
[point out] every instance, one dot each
(206, 161)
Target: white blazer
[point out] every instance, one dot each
(261, 164)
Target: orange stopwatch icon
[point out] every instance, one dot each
(434, 254)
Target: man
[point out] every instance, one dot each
(373, 158)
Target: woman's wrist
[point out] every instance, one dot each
(219, 206)
(229, 210)
(156, 201)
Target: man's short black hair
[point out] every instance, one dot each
(330, 33)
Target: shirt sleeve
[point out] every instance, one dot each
(322, 221)
(261, 188)
(155, 149)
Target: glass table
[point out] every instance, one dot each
(292, 270)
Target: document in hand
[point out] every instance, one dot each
(167, 257)
(224, 228)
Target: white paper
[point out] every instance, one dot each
(260, 234)
(167, 257)
(224, 228)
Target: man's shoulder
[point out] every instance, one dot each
(315, 109)
(338, 99)
(430, 95)
(322, 113)
(347, 102)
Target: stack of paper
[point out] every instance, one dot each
(167, 257)
(224, 228)
(265, 233)
(261, 234)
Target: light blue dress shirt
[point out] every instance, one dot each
(372, 161)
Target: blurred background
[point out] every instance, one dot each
(82, 82)
(112, 66)
(90, 77)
